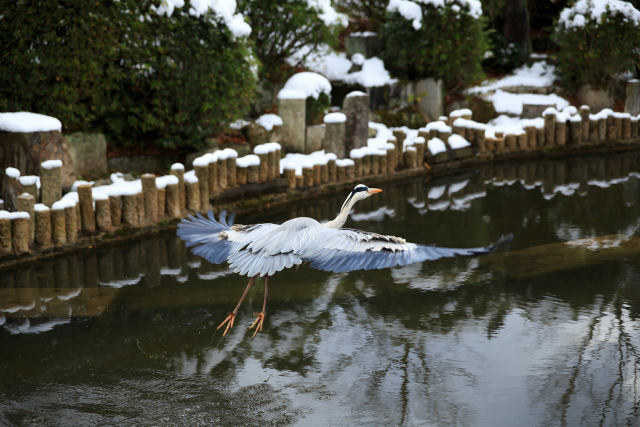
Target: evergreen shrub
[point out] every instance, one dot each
(593, 47)
(449, 44)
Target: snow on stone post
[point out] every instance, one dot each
(87, 213)
(262, 151)
(26, 203)
(242, 168)
(356, 108)
(292, 110)
(29, 185)
(11, 187)
(177, 169)
(192, 191)
(20, 231)
(335, 134)
(585, 111)
(201, 169)
(51, 181)
(6, 244)
(549, 116)
(42, 224)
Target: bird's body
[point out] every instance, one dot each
(264, 249)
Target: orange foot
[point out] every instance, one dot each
(229, 321)
(257, 323)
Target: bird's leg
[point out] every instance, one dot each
(232, 316)
(260, 316)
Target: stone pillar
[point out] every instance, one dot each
(317, 174)
(335, 133)
(26, 203)
(375, 164)
(602, 129)
(634, 127)
(213, 178)
(632, 100)
(549, 128)
(611, 128)
(410, 157)
(585, 111)
(241, 175)
(253, 174)
(419, 144)
(357, 166)
(531, 137)
(333, 171)
(292, 110)
(366, 164)
(290, 175)
(202, 173)
(115, 205)
(42, 225)
(29, 185)
(20, 232)
(6, 244)
(626, 128)
(231, 169)
(71, 223)
(173, 200)
(307, 176)
(356, 109)
(130, 210)
(193, 193)
(88, 218)
(59, 225)
(561, 132)
(51, 181)
(103, 213)
(177, 169)
(222, 173)
(521, 141)
(264, 165)
(142, 219)
(324, 173)
(162, 196)
(428, 95)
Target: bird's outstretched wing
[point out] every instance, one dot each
(207, 235)
(341, 250)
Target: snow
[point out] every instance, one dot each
(538, 74)
(80, 182)
(291, 94)
(190, 177)
(460, 113)
(51, 164)
(438, 126)
(13, 215)
(177, 167)
(335, 66)
(592, 11)
(327, 13)
(512, 125)
(355, 93)
(409, 10)
(23, 121)
(12, 173)
(267, 148)
(224, 10)
(335, 118)
(364, 34)
(248, 160)
(357, 58)
(436, 192)
(469, 124)
(456, 142)
(436, 146)
(163, 181)
(298, 161)
(65, 202)
(40, 207)
(30, 180)
(343, 163)
(511, 103)
(310, 83)
(268, 121)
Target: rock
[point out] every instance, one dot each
(427, 95)
(356, 108)
(531, 111)
(141, 164)
(597, 99)
(25, 151)
(367, 43)
(88, 153)
(483, 110)
(632, 100)
(315, 136)
(293, 113)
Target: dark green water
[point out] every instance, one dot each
(542, 333)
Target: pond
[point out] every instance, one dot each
(543, 332)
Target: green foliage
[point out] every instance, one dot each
(317, 108)
(503, 56)
(449, 45)
(166, 80)
(594, 53)
(282, 28)
(368, 14)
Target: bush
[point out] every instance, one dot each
(593, 48)
(139, 75)
(449, 44)
(283, 28)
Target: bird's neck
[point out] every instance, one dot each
(339, 221)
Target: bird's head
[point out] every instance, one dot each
(358, 193)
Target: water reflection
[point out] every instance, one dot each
(126, 334)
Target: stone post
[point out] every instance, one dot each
(307, 176)
(142, 219)
(241, 175)
(335, 134)
(290, 175)
(20, 231)
(231, 169)
(115, 205)
(356, 109)
(177, 169)
(561, 132)
(193, 192)
(358, 166)
(410, 157)
(202, 173)
(26, 203)
(103, 214)
(222, 173)
(602, 129)
(87, 213)
(30, 185)
(130, 210)
(419, 144)
(162, 196)
(71, 222)
(324, 173)
(632, 100)
(510, 142)
(634, 127)
(611, 128)
(6, 244)
(292, 110)
(333, 171)
(317, 174)
(264, 165)
(253, 174)
(42, 225)
(626, 127)
(173, 200)
(51, 181)
(585, 111)
(213, 178)
(549, 128)
(575, 130)
(59, 225)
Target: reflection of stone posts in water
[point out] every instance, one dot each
(87, 213)
(42, 225)
(51, 181)
(26, 203)
(335, 133)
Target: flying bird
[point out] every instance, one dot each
(264, 249)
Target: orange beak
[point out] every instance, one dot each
(374, 190)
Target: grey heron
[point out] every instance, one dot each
(264, 249)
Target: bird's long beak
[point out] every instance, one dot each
(374, 190)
